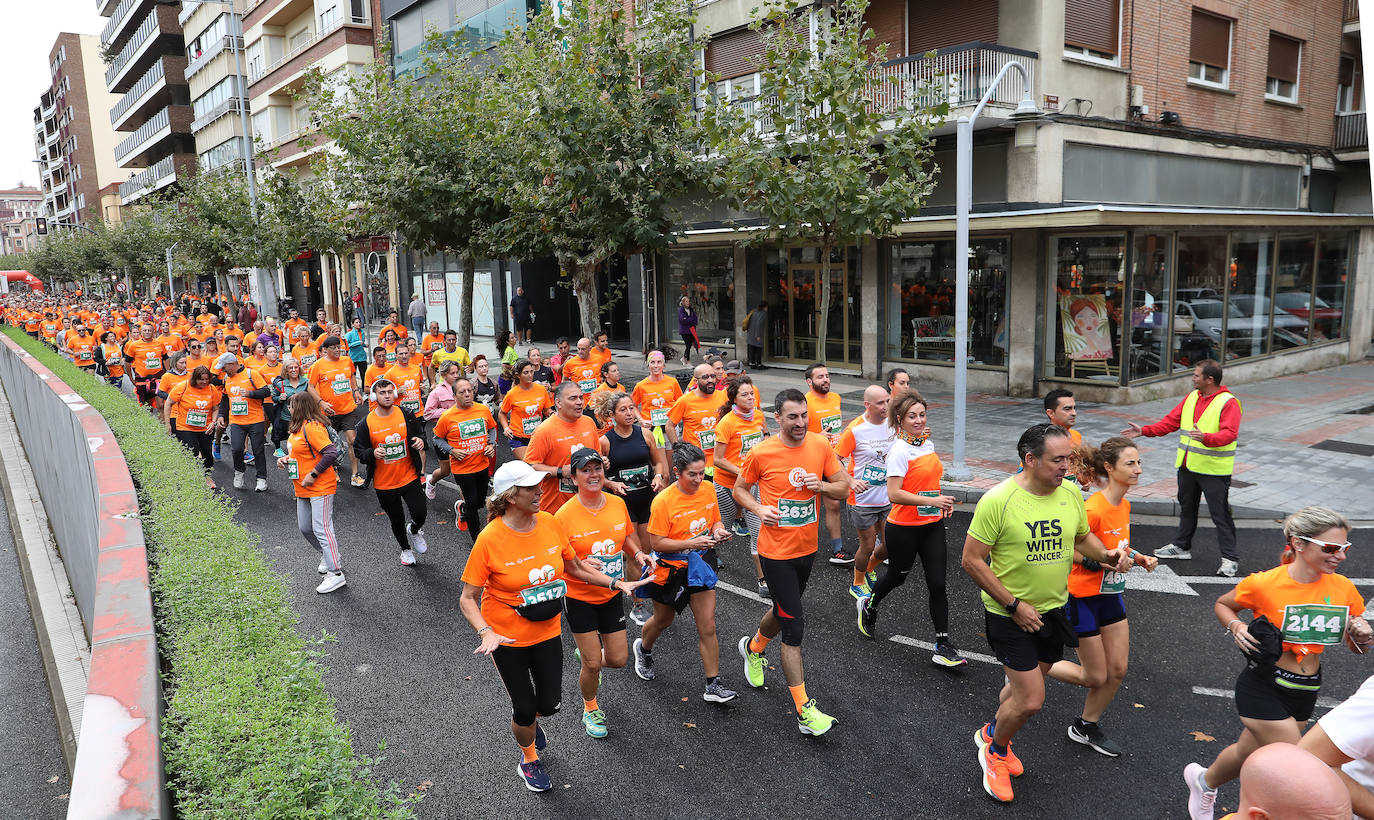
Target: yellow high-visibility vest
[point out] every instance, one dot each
(1201, 458)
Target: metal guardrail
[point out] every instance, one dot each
(1351, 132)
(147, 179)
(155, 123)
(146, 30)
(143, 86)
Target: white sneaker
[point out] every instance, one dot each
(408, 557)
(429, 490)
(331, 582)
(238, 481)
(1228, 568)
(261, 486)
(417, 543)
(1172, 551)
(1200, 798)
(322, 569)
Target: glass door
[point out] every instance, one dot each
(795, 293)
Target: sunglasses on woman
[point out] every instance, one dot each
(1328, 547)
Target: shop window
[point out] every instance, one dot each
(1150, 285)
(1293, 288)
(1250, 313)
(1090, 274)
(706, 278)
(922, 295)
(1200, 309)
(1328, 297)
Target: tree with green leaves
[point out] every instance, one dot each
(821, 157)
(600, 124)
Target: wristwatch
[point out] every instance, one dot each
(1011, 607)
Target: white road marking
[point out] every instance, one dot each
(1163, 579)
(742, 592)
(973, 656)
(1322, 702)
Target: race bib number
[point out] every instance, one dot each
(612, 565)
(293, 469)
(873, 474)
(551, 591)
(341, 385)
(85, 356)
(306, 361)
(529, 424)
(473, 432)
(1112, 582)
(658, 416)
(708, 439)
(797, 513)
(152, 361)
(925, 510)
(411, 405)
(393, 451)
(238, 407)
(1321, 624)
(587, 385)
(567, 485)
(635, 478)
(196, 418)
(830, 425)
(747, 442)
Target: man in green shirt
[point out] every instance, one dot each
(1019, 549)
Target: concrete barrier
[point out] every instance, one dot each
(85, 485)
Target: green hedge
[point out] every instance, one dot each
(249, 730)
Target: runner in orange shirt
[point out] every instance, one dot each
(309, 460)
(192, 414)
(432, 341)
(293, 321)
(334, 381)
(177, 372)
(146, 357)
(601, 351)
(654, 396)
(556, 439)
(391, 441)
(741, 427)
(242, 412)
(697, 411)
(523, 408)
(513, 587)
(684, 528)
(393, 324)
(465, 433)
(409, 377)
(110, 359)
(597, 525)
(303, 349)
(793, 471)
(82, 347)
(823, 409)
(582, 368)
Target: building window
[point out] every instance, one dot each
(201, 43)
(1085, 317)
(706, 277)
(1328, 297)
(1092, 30)
(1285, 61)
(1349, 94)
(255, 61)
(329, 15)
(922, 295)
(218, 93)
(1209, 50)
(1200, 309)
(222, 154)
(1250, 279)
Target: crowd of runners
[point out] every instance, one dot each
(586, 500)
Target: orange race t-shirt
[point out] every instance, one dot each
(600, 358)
(83, 350)
(170, 343)
(334, 382)
(307, 354)
(401, 331)
(430, 343)
(242, 409)
(408, 379)
(147, 357)
(1310, 616)
(192, 362)
(291, 324)
(514, 568)
(192, 407)
(170, 380)
(395, 468)
(679, 516)
(656, 399)
(921, 471)
(739, 437)
(697, 415)
(1112, 525)
(778, 471)
(467, 431)
(526, 407)
(303, 450)
(586, 373)
(114, 360)
(598, 537)
(823, 414)
(553, 444)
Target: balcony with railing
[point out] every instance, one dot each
(139, 52)
(212, 51)
(959, 74)
(354, 20)
(209, 118)
(159, 175)
(104, 7)
(117, 28)
(1351, 133)
(157, 127)
(152, 81)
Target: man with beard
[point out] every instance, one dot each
(697, 412)
(823, 410)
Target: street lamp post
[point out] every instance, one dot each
(1026, 109)
(171, 292)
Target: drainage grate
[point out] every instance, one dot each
(1345, 447)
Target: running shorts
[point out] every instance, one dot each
(866, 517)
(1272, 693)
(787, 579)
(346, 421)
(1088, 615)
(1019, 650)
(605, 618)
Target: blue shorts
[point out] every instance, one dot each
(1088, 615)
(514, 442)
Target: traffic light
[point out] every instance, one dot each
(41, 225)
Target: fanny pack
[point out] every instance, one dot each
(548, 603)
(1055, 625)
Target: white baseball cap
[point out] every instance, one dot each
(514, 474)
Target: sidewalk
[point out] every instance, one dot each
(1305, 439)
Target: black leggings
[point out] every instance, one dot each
(534, 678)
(905, 543)
(200, 444)
(414, 497)
(787, 579)
(689, 342)
(473, 487)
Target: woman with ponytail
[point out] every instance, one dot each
(1312, 607)
(741, 426)
(1096, 607)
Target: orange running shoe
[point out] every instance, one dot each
(984, 738)
(996, 778)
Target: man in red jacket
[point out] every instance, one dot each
(1208, 423)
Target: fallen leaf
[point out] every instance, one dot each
(53, 779)
(690, 725)
(63, 797)
(1201, 736)
(680, 766)
(567, 785)
(1138, 705)
(424, 786)
(684, 700)
(469, 677)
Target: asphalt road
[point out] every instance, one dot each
(34, 779)
(402, 672)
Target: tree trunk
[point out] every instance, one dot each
(465, 319)
(823, 304)
(584, 285)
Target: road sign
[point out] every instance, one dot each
(121, 287)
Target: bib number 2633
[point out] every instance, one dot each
(797, 513)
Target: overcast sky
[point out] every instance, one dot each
(27, 31)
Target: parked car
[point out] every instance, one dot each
(1289, 330)
(1301, 304)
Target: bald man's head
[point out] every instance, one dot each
(875, 403)
(1282, 782)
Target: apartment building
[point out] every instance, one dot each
(215, 66)
(19, 206)
(147, 69)
(1195, 186)
(283, 39)
(73, 139)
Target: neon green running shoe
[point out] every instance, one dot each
(595, 723)
(812, 721)
(872, 578)
(753, 663)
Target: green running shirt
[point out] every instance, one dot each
(1032, 538)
